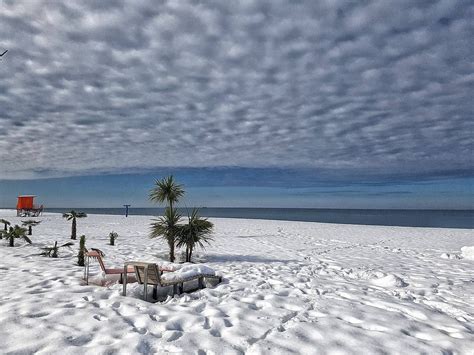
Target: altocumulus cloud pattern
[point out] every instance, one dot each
(106, 86)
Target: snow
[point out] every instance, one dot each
(467, 252)
(389, 280)
(187, 272)
(288, 287)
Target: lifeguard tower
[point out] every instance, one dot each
(25, 207)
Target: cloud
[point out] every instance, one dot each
(367, 88)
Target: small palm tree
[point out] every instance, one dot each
(196, 232)
(72, 215)
(30, 224)
(52, 252)
(167, 227)
(5, 224)
(16, 232)
(112, 237)
(168, 190)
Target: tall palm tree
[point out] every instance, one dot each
(16, 232)
(5, 224)
(30, 224)
(196, 232)
(168, 190)
(72, 215)
(167, 227)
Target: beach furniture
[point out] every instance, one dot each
(96, 255)
(151, 274)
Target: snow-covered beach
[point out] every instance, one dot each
(289, 287)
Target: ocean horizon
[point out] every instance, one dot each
(384, 217)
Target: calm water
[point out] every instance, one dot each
(412, 218)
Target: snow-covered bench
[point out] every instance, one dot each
(151, 274)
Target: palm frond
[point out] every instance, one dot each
(196, 232)
(30, 222)
(166, 189)
(46, 252)
(74, 214)
(166, 226)
(53, 251)
(28, 240)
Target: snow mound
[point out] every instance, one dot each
(467, 252)
(389, 281)
(450, 256)
(188, 271)
(377, 278)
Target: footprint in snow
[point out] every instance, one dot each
(215, 333)
(99, 317)
(173, 335)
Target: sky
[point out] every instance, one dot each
(249, 103)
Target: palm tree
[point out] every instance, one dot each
(112, 237)
(16, 232)
(30, 223)
(196, 232)
(72, 215)
(52, 252)
(5, 224)
(168, 190)
(167, 227)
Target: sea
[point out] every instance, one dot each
(404, 218)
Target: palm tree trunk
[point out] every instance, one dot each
(12, 241)
(55, 250)
(5, 227)
(29, 230)
(171, 241)
(171, 246)
(73, 230)
(190, 252)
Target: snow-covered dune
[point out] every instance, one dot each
(289, 287)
